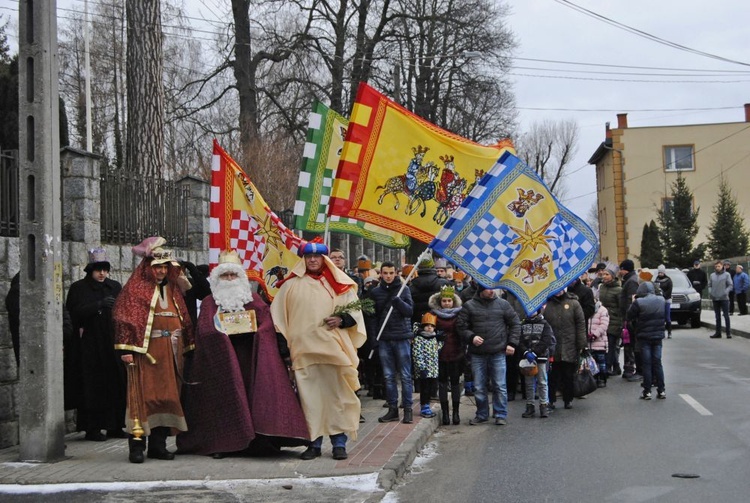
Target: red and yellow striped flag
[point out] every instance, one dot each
(403, 173)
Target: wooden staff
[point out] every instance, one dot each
(135, 399)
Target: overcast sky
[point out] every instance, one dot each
(593, 94)
(550, 30)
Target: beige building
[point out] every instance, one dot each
(636, 168)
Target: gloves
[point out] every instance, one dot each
(530, 356)
(108, 302)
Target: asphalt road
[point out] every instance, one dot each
(612, 446)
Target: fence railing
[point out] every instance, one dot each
(133, 208)
(9, 193)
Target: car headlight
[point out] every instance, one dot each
(692, 297)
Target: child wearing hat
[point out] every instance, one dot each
(445, 306)
(426, 346)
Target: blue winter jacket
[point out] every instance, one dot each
(646, 313)
(741, 282)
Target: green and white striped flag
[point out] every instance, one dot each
(325, 139)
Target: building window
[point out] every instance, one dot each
(679, 158)
(603, 221)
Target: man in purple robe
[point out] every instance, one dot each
(238, 397)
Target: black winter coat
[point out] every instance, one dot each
(90, 356)
(399, 323)
(494, 320)
(536, 336)
(422, 287)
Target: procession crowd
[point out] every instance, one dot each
(203, 356)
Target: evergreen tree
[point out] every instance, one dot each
(678, 226)
(650, 246)
(728, 236)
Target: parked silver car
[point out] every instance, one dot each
(686, 301)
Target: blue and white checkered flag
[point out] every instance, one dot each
(510, 232)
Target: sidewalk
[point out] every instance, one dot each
(738, 325)
(384, 448)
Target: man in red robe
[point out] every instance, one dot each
(152, 330)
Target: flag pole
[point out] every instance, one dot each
(326, 233)
(424, 255)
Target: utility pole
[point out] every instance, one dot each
(41, 416)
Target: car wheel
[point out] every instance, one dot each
(695, 320)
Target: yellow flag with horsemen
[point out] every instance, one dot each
(401, 172)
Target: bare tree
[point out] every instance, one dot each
(592, 217)
(548, 147)
(145, 141)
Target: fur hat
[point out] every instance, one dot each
(429, 319)
(627, 265)
(97, 260)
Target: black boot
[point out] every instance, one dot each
(456, 417)
(530, 410)
(391, 415)
(407, 416)
(136, 448)
(543, 412)
(446, 413)
(157, 444)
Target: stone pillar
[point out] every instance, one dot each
(198, 212)
(40, 394)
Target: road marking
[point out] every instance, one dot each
(697, 406)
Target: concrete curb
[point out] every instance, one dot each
(402, 459)
(733, 331)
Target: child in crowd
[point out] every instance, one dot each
(599, 342)
(535, 343)
(446, 305)
(425, 351)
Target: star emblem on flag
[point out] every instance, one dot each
(531, 238)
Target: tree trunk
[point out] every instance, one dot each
(244, 74)
(145, 141)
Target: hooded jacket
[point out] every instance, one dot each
(609, 295)
(422, 288)
(494, 320)
(565, 316)
(646, 313)
(454, 348)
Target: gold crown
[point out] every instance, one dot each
(419, 149)
(230, 257)
(429, 319)
(447, 291)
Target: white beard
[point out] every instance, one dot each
(232, 295)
